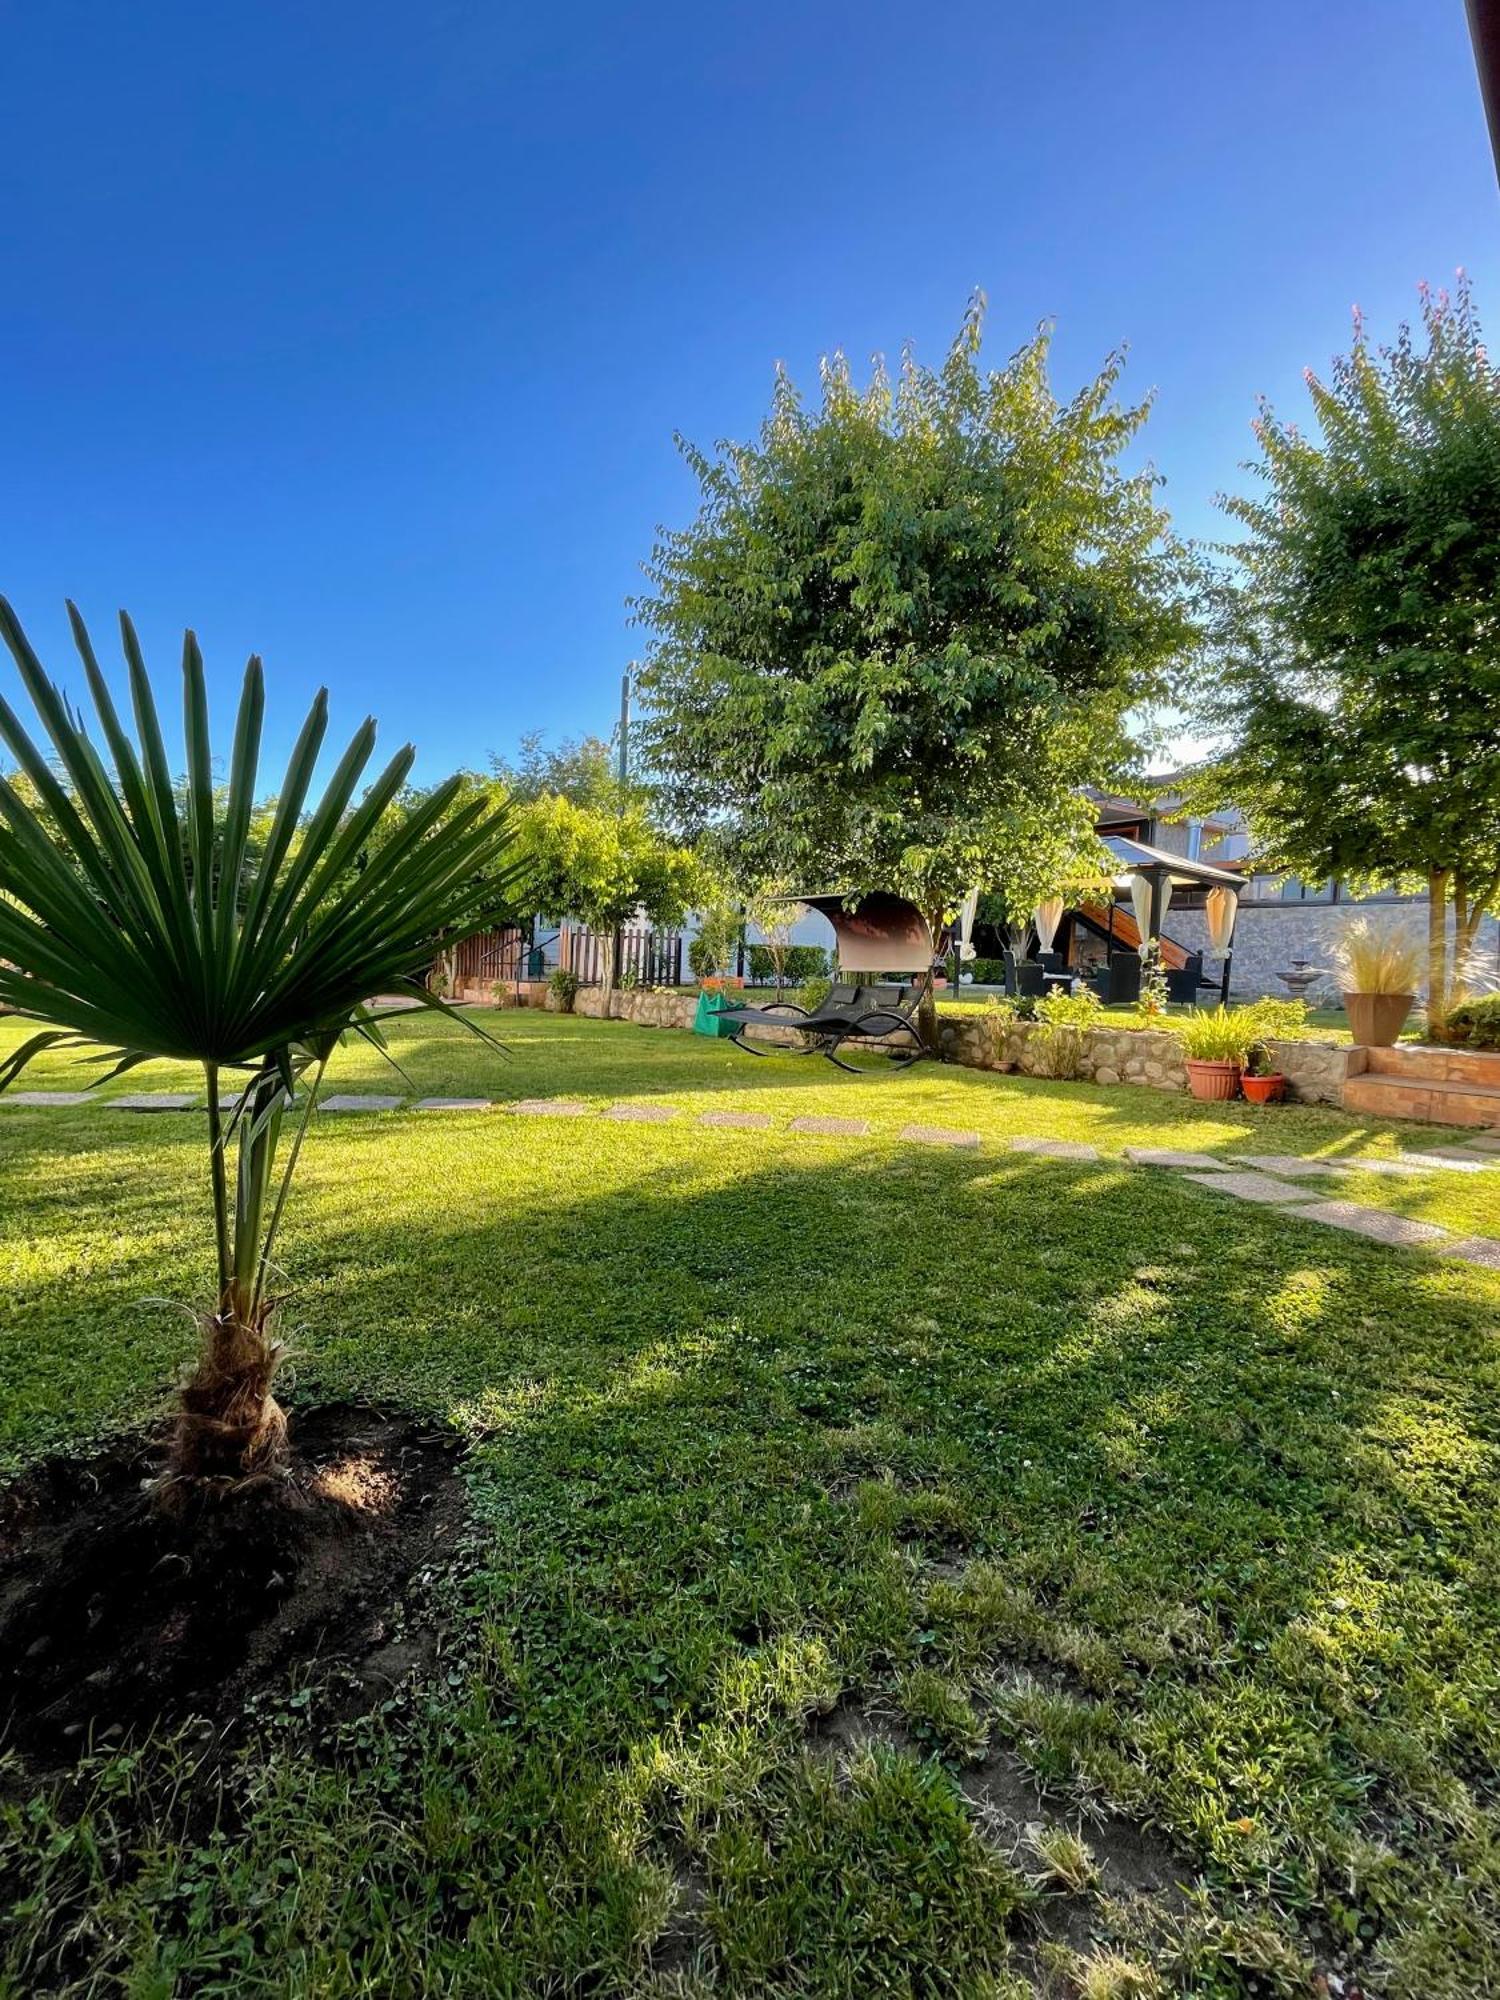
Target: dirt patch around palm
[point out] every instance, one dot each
(117, 1615)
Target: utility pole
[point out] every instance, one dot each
(624, 769)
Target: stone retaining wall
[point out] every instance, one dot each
(1149, 1057)
(640, 1004)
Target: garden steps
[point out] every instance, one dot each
(1440, 1086)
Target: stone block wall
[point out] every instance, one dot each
(1315, 1071)
(1268, 936)
(640, 1004)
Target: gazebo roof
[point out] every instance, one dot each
(1143, 859)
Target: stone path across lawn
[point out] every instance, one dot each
(1167, 1156)
(1252, 1187)
(937, 1135)
(1378, 1223)
(1269, 1179)
(1481, 1250)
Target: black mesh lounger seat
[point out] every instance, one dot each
(872, 1023)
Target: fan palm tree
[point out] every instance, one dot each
(149, 920)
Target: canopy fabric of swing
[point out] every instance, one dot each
(875, 933)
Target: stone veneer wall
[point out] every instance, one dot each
(1268, 936)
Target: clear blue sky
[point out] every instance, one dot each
(358, 334)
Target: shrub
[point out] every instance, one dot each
(1474, 1023)
(1277, 1020)
(1066, 1018)
(800, 962)
(987, 971)
(812, 995)
(564, 987)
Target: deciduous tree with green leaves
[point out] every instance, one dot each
(1357, 682)
(602, 865)
(905, 627)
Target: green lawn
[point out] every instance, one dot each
(818, 1485)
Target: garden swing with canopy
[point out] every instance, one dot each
(866, 1028)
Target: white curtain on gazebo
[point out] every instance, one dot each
(1047, 916)
(1140, 896)
(1220, 907)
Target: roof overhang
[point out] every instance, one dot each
(1143, 859)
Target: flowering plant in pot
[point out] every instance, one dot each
(1216, 1043)
(1379, 971)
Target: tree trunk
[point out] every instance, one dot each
(927, 1020)
(230, 1426)
(1437, 942)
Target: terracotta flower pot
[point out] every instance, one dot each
(1212, 1082)
(1375, 1019)
(1263, 1089)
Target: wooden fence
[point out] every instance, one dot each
(647, 958)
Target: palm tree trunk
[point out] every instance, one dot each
(229, 1425)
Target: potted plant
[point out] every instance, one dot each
(1262, 1082)
(1216, 1044)
(1379, 971)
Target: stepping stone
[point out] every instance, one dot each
(738, 1121)
(1055, 1149)
(454, 1104)
(1289, 1165)
(1383, 1165)
(161, 1100)
(1482, 1250)
(1165, 1156)
(1445, 1159)
(550, 1107)
(359, 1103)
(833, 1128)
(1462, 1152)
(39, 1100)
(1252, 1187)
(1484, 1142)
(1376, 1223)
(642, 1114)
(938, 1135)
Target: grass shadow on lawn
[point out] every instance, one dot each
(1189, 1510)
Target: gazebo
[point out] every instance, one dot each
(1149, 875)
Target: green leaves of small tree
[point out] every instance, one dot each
(148, 923)
(906, 626)
(1358, 650)
(602, 865)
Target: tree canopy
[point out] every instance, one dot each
(1358, 650)
(905, 627)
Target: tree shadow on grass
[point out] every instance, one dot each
(1173, 1496)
